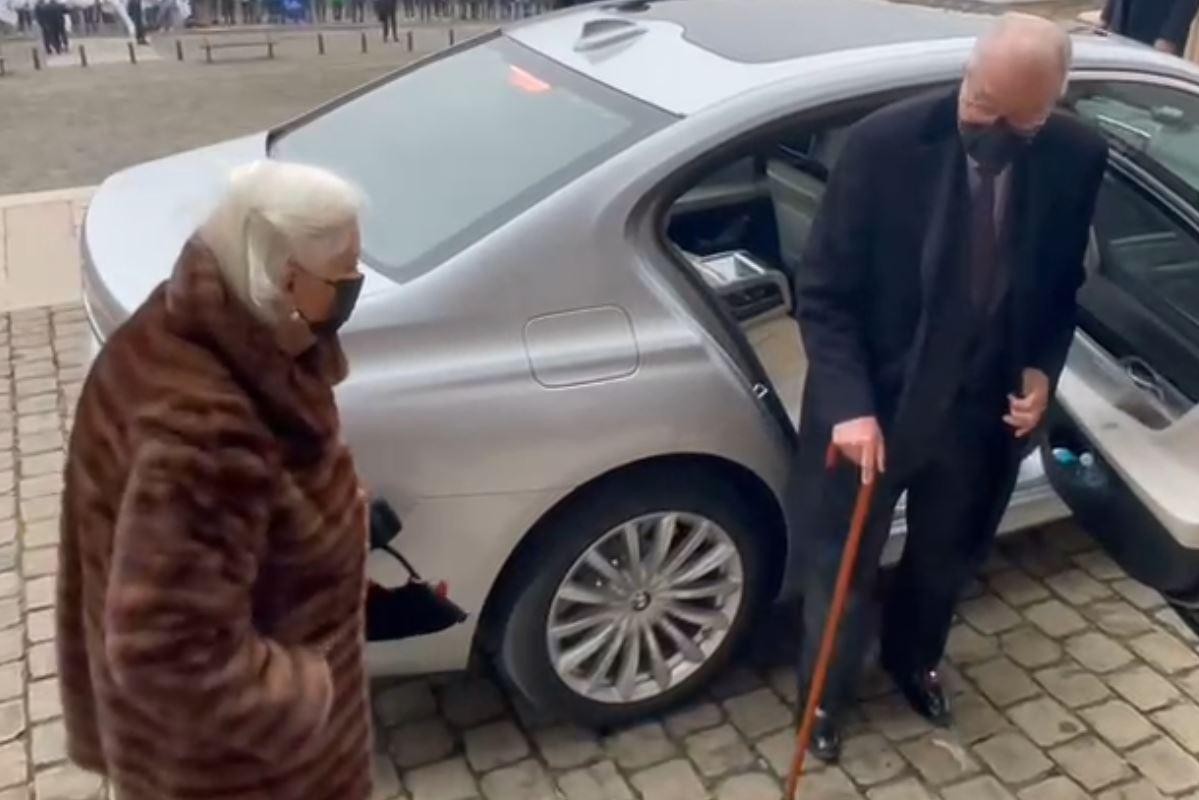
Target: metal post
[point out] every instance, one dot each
(364, 41)
(37, 59)
(411, 42)
(179, 49)
(320, 43)
(132, 53)
(451, 37)
(82, 56)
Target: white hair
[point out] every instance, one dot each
(1036, 41)
(273, 212)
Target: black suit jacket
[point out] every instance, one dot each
(1150, 20)
(879, 295)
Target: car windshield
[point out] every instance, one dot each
(449, 151)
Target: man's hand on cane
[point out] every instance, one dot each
(861, 441)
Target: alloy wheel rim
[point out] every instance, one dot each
(644, 607)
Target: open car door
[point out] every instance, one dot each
(1122, 441)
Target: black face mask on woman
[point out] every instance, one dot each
(993, 145)
(345, 297)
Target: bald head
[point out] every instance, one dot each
(1016, 73)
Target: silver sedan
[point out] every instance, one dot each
(574, 372)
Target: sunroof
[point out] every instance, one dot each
(761, 31)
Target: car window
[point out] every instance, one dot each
(1144, 249)
(451, 150)
(1155, 126)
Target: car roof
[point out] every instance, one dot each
(688, 55)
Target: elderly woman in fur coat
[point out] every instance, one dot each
(210, 615)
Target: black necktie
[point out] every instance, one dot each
(984, 244)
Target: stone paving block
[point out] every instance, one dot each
(415, 744)
(1168, 618)
(41, 486)
(782, 681)
(907, 789)
(1167, 766)
(524, 781)
(639, 746)
(1018, 588)
(36, 563)
(1121, 725)
(600, 781)
(1030, 648)
(446, 780)
(758, 713)
(1013, 758)
(893, 717)
(407, 702)
(1072, 686)
(1056, 788)
(751, 786)
(777, 749)
(40, 626)
(1055, 618)
(1143, 687)
(10, 612)
(16, 793)
(14, 766)
(1098, 652)
(734, 681)
(1182, 722)
(40, 593)
(1046, 722)
(718, 751)
(968, 646)
(68, 782)
(1138, 594)
(939, 758)
(385, 780)
(1165, 653)
(1137, 790)
(870, 760)
(988, 614)
(496, 744)
(1002, 682)
(829, 783)
(12, 720)
(10, 584)
(1118, 618)
(12, 680)
(44, 700)
(697, 717)
(49, 744)
(1091, 763)
(466, 703)
(983, 788)
(42, 534)
(1099, 565)
(674, 780)
(975, 719)
(566, 746)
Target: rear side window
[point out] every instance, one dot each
(449, 151)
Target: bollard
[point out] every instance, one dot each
(411, 42)
(364, 41)
(37, 59)
(320, 43)
(82, 56)
(179, 49)
(132, 53)
(451, 37)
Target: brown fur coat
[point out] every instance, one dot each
(210, 615)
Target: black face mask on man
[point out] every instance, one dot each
(993, 145)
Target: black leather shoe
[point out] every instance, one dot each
(826, 739)
(924, 692)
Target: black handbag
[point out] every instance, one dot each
(414, 609)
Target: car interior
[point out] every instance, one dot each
(744, 225)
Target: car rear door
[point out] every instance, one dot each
(1122, 444)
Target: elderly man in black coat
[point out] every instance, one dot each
(936, 304)
(1165, 24)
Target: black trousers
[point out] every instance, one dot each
(957, 489)
(388, 18)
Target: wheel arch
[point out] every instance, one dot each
(760, 500)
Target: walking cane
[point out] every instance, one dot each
(849, 558)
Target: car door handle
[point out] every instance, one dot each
(1144, 377)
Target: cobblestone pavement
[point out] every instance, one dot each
(1070, 679)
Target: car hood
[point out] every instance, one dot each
(139, 219)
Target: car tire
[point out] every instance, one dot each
(573, 533)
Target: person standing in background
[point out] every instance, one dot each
(386, 11)
(1164, 24)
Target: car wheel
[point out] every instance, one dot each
(635, 595)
